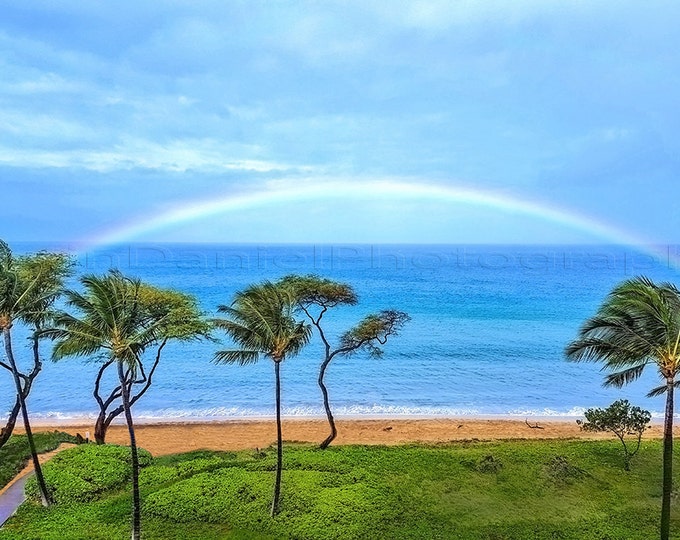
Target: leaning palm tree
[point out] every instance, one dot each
(261, 321)
(637, 325)
(181, 321)
(29, 285)
(116, 322)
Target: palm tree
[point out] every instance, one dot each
(261, 321)
(117, 321)
(182, 321)
(638, 324)
(314, 296)
(29, 285)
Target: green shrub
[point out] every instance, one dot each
(561, 470)
(163, 474)
(314, 503)
(224, 496)
(83, 473)
(489, 464)
(545, 490)
(15, 454)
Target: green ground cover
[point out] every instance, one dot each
(14, 455)
(476, 490)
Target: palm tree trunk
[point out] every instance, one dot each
(327, 406)
(44, 495)
(279, 441)
(136, 506)
(667, 462)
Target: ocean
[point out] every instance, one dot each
(487, 334)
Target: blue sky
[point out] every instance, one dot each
(115, 113)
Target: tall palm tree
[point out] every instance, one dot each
(261, 320)
(638, 324)
(29, 285)
(116, 321)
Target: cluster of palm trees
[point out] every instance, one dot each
(263, 321)
(121, 319)
(124, 321)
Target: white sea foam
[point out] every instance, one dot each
(376, 410)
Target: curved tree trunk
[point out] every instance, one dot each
(279, 441)
(136, 506)
(105, 417)
(99, 426)
(327, 406)
(100, 429)
(6, 432)
(44, 495)
(667, 462)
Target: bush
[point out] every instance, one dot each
(164, 474)
(224, 496)
(561, 470)
(15, 454)
(83, 473)
(314, 504)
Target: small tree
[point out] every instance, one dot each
(314, 296)
(621, 419)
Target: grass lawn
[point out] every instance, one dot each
(498, 490)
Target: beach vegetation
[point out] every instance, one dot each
(544, 489)
(314, 296)
(29, 286)
(118, 318)
(622, 419)
(83, 473)
(16, 454)
(261, 320)
(637, 325)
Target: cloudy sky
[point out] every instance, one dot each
(353, 121)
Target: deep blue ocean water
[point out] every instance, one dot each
(487, 333)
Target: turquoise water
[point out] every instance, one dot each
(488, 328)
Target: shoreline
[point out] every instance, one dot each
(173, 420)
(78, 421)
(179, 435)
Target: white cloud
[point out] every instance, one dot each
(18, 124)
(176, 156)
(41, 83)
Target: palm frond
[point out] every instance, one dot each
(625, 376)
(637, 324)
(659, 390)
(238, 356)
(261, 318)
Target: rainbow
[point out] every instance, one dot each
(368, 190)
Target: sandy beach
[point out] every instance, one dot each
(174, 437)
